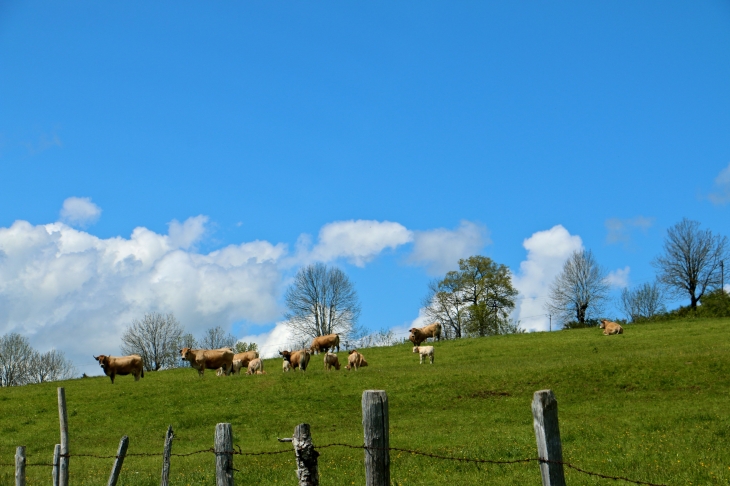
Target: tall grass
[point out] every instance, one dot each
(651, 404)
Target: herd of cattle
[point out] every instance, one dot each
(226, 362)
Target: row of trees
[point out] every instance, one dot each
(690, 266)
(159, 337)
(478, 298)
(20, 364)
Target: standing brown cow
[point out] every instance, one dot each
(419, 335)
(212, 359)
(121, 365)
(325, 343)
(297, 359)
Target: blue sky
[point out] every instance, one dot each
(438, 130)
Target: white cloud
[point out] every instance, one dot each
(439, 250)
(619, 278)
(185, 235)
(547, 251)
(721, 195)
(79, 211)
(358, 241)
(271, 342)
(68, 289)
(619, 230)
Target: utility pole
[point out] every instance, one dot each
(551, 322)
(722, 275)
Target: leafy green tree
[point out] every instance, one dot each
(242, 347)
(474, 300)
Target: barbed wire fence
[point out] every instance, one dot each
(376, 447)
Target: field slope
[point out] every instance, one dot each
(652, 404)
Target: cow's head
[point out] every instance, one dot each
(185, 353)
(415, 349)
(286, 355)
(352, 351)
(603, 324)
(337, 364)
(102, 359)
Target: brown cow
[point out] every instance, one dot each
(355, 360)
(610, 327)
(297, 359)
(202, 359)
(245, 359)
(419, 335)
(325, 343)
(330, 360)
(121, 365)
(255, 367)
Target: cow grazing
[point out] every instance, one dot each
(255, 367)
(297, 359)
(121, 365)
(325, 343)
(611, 327)
(285, 366)
(419, 335)
(424, 351)
(212, 359)
(330, 360)
(355, 360)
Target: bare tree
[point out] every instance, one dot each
(216, 337)
(580, 290)
(643, 302)
(321, 301)
(15, 357)
(692, 261)
(50, 366)
(156, 338)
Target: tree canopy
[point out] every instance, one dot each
(580, 290)
(475, 300)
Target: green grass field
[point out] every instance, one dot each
(652, 404)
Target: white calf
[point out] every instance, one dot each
(424, 351)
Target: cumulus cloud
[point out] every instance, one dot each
(68, 289)
(618, 278)
(547, 251)
(619, 230)
(184, 235)
(357, 241)
(79, 211)
(721, 194)
(271, 342)
(439, 250)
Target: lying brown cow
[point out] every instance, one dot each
(610, 327)
(212, 359)
(419, 335)
(297, 359)
(355, 360)
(121, 365)
(325, 343)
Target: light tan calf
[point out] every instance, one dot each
(245, 358)
(611, 327)
(424, 351)
(212, 359)
(419, 335)
(285, 366)
(255, 367)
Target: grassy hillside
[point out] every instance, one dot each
(652, 404)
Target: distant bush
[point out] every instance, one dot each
(581, 325)
(713, 304)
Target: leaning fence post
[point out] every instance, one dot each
(63, 419)
(117, 468)
(307, 468)
(20, 466)
(166, 457)
(547, 433)
(56, 457)
(377, 437)
(223, 455)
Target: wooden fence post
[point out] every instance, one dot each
(166, 458)
(307, 468)
(117, 468)
(63, 419)
(223, 455)
(376, 430)
(547, 433)
(56, 458)
(20, 466)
